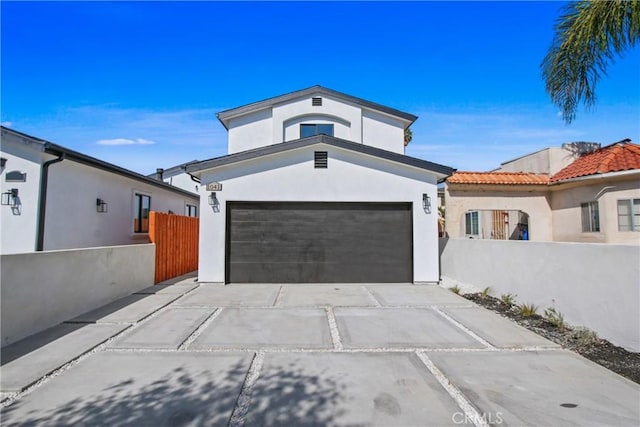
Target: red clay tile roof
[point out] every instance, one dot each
(517, 178)
(620, 156)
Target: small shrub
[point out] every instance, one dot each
(555, 318)
(485, 292)
(455, 289)
(585, 337)
(527, 310)
(508, 299)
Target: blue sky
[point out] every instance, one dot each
(138, 84)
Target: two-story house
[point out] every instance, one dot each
(316, 188)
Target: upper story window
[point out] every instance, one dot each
(309, 129)
(590, 217)
(141, 208)
(15, 176)
(629, 215)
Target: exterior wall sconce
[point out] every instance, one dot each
(10, 198)
(3, 162)
(213, 200)
(101, 206)
(426, 203)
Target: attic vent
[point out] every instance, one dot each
(320, 159)
(316, 102)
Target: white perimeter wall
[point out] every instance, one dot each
(593, 285)
(42, 289)
(290, 176)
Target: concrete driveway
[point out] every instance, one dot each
(303, 355)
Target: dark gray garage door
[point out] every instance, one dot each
(319, 242)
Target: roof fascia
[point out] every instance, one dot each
(225, 116)
(597, 177)
(439, 170)
(77, 157)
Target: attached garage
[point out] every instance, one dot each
(313, 242)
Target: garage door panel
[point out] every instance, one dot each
(319, 242)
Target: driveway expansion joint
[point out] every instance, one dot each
(333, 328)
(371, 296)
(244, 399)
(471, 413)
(279, 296)
(465, 329)
(204, 325)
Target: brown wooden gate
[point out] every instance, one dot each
(176, 240)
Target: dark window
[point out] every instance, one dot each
(471, 223)
(141, 208)
(629, 215)
(307, 130)
(15, 176)
(320, 159)
(191, 210)
(590, 217)
(316, 102)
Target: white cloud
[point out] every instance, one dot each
(7, 124)
(125, 141)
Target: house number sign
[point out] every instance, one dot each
(214, 186)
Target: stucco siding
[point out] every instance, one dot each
(536, 204)
(381, 131)
(18, 224)
(71, 217)
(567, 217)
(291, 176)
(251, 131)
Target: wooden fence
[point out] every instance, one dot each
(176, 240)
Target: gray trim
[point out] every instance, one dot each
(223, 116)
(75, 156)
(178, 168)
(58, 150)
(320, 139)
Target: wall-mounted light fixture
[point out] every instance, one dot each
(101, 206)
(3, 162)
(426, 203)
(213, 200)
(10, 198)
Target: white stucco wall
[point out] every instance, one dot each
(567, 214)
(290, 176)
(182, 180)
(592, 285)
(42, 289)
(382, 131)
(549, 161)
(281, 123)
(71, 217)
(534, 203)
(18, 225)
(251, 131)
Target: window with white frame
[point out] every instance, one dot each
(141, 208)
(590, 217)
(191, 210)
(471, 223)
(629, 215)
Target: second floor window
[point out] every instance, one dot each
(590, 217)
(308, 129)
(141, 208)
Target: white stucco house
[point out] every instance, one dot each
(316, 188)
(57, 198)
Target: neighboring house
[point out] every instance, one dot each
(577, 193)
(316, 188)
(178, 177)
(57, 198)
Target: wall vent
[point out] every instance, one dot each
(316, 102)
(320, 159)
